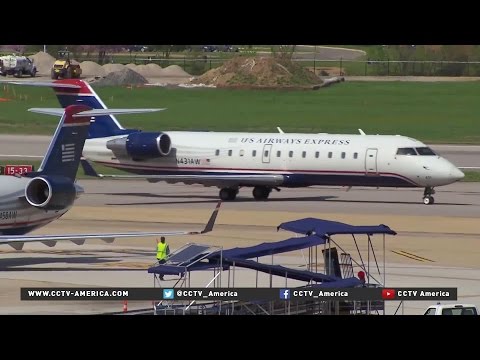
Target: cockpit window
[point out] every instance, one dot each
(425, 151)
(406, 151)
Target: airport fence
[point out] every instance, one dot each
(202, 62)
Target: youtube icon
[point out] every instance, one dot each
(388, 294)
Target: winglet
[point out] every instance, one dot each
(211, 221)
(88, 168)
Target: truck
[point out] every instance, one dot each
(65, 68)
(452, 309)
(17, 66)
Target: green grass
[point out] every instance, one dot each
(432, 112)
(471, 176)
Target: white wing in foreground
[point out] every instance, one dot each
(18, 241)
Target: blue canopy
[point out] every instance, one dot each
(269, 248)
(278, 270)
(325, 228)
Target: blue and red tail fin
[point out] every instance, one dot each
(65, 149)
(101, 126)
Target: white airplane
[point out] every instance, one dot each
(34, 199)
(264, 161)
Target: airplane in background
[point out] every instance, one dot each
(34, 199)
(264, 161)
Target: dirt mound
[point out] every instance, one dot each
(112, 68)
(43, 61)
(123, 77)
(175, 71)
(90, 68)
(149, 70)
(131, 66)
(259, 72)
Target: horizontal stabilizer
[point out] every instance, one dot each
(43, 83)
(48, 111)
(95, 112)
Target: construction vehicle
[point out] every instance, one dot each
(65, 68)
(17, 66)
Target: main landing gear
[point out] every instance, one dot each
(228, 194)
(259, 193)
(427, 196)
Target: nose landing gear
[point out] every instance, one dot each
(428, 199)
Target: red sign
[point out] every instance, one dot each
(17, 169)
(388, 294)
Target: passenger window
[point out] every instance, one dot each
(406, 151)
(330, 155)
(343, 155)
(304, 154)
(317, 154)
(265, 153)
(290, 153)
(425, 151)
(254, 153)
(355, 155)
(229, 152)
(279, 153)
(242, 152)
(217, 152)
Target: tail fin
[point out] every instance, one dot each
(78, 92)
(101, 126)
(65, 150)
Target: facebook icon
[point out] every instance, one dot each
(284, 294)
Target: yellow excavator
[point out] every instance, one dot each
(65, 68)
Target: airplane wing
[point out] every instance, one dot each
(17, 241)
(232, 180)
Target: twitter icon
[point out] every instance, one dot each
(167, 294)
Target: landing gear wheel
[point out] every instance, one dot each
(227, 194)
(428, 200)
(427, 196)
(261, 192)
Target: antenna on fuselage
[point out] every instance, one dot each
(280, 130)
(361, 132)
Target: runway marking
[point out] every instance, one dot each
(411, 256)
(122, 265)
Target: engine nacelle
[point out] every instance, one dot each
(141, 145)
(51, 192)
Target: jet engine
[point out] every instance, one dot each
(51, 192)
(141, 145)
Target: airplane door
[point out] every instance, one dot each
(267, 150)
(371, 162)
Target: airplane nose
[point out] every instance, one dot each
(456, 174)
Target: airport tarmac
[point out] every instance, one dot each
(21, 146)
(436, 245)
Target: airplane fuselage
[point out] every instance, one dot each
(302, 159)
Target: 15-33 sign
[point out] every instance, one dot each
(16, 169)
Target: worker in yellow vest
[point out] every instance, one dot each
(163, 251)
